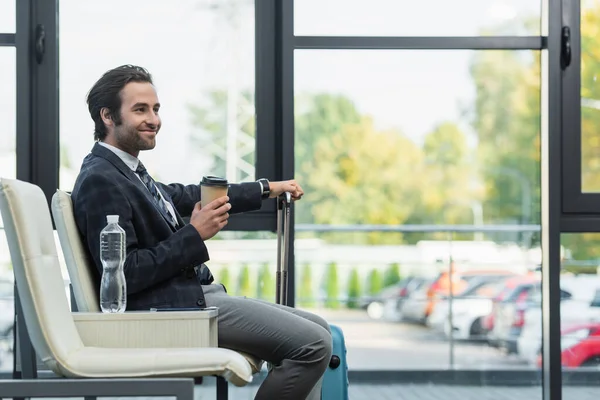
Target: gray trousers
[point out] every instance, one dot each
(297, 343)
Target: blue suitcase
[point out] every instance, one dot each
(335, 380)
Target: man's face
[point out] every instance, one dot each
(140, 122)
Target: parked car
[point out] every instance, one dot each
(388, 303)
(415, 305)
(580, 346)
(468, 309)
(580, 304)
(487, 323)
(420, 306)
(509, 315)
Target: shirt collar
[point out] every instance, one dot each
(129, 160)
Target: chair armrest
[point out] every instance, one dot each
(148, 329)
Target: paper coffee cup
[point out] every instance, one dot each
(211, 188)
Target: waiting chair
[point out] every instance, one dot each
(80, 268)
(52, 327)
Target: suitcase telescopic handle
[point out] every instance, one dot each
(284, 203)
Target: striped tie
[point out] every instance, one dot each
(149, 182)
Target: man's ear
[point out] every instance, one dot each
(106, 117)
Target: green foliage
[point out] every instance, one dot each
(225, 279)
(305, 291)
(332, 287)
(507, 121)
(354, 179)
(244, 286)
(392, 275)
(353, 289)
(590, 92)
(318, 117)
(581, 269)
(375, 282)
(586, 246)
(353, 172)
(265, 287)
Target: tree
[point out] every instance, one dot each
(449, 194)
(225, 279)
(305, 292)
(355, 179)
(392, 275)
(584, 246)
(590, 93)
(265, 287)
(375, 282)
(506, 120)
(353, 289)
(332, 287)
(244, 286)
(318, 117)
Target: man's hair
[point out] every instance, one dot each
(106, 92)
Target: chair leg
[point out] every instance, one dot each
(222, 388)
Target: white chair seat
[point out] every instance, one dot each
(100, 363)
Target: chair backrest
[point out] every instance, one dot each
(80, 267)
(28, 228)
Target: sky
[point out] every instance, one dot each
(189, 52)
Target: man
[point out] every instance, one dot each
(165, 257)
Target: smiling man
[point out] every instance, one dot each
(164, 265)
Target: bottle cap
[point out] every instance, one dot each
(112, 219)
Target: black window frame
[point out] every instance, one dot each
(548, 42)
(564, 207)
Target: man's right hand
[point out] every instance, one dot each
(209, 220)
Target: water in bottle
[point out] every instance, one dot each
(113, 290)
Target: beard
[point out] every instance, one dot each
(130, 139)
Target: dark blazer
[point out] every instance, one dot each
(160, 258)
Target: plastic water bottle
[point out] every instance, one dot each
(113, 289)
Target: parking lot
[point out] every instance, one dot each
(396, 345)
(402, 345)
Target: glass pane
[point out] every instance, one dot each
(580, 314)
(590, 97)
(417, 18)
(8, 16)
(8, 166)
(389, 147)
(202, 62)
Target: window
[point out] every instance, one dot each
(387, 138)
(8, 16)
(581, 111)
(201, 56)
(580, 315)
(7, 170)
(416, 18)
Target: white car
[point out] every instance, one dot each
(577, 297)
(468, 310)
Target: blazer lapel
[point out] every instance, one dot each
(105, 153)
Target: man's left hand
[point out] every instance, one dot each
(291, 186)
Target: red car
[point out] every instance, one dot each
(580, 346)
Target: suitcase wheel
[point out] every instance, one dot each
(334, 362)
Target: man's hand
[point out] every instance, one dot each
(278, 188)
(209, 220)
